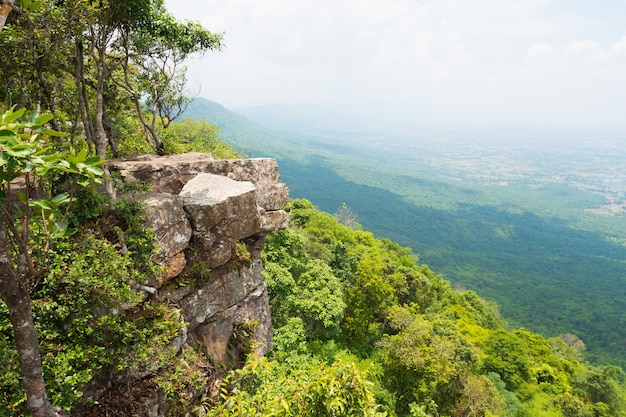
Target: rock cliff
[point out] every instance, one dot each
(210, 218)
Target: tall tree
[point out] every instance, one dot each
(24, 169)
(153, 74)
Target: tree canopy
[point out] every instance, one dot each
(99, 66)
(425, 348)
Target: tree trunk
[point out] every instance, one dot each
(14, 293)
(101, 136)
(5, 9)
(153, 137)
(83, 107)
(109, 128)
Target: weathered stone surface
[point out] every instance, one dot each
(262, 172)
(167, 174)
(273, 197)
(220, 252)
(210, 250)
(273, 220)
(205, 213)
(167, 219)
(170, 173)
(172, 267)
(215, 203)
(216, 334)
(204, 303)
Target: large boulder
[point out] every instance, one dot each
(170, 174)
(215, 204)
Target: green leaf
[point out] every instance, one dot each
(51, 224)
(6, 133)
(95, 170)
(44, 204)
(10, 115)
(61, 198)
(20, 151)
(95, 160)
(22, 197)
(54, 133)
(11, 164)
(82, 156)
(59, 229)
(43, 119)
(42, 171)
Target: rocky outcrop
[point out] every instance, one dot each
(210, 218)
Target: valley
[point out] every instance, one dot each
(530, 222)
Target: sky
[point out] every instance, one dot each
(525, 62)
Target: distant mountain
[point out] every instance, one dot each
(236, 129)
(305, 119)
(258, 141)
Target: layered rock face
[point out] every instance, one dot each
(210, 218)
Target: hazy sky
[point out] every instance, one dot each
(493, 61)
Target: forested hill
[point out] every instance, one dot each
(391, 338)
(254, 140)
(549, 267)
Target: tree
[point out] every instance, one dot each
(304, 387)
(426, 360)
(507, 355)
(347, 217)
(601, 386)
(189, 135)
(367, 297)
(151, 60)
(32, 49)
(27, 168)
(479, 395)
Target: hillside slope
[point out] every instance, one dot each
(348, 306)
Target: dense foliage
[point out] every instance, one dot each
(91, 319)
(361, 328)
(71, 270)
(340, 297)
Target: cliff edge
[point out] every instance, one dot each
(209, 218)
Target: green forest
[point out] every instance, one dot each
(360, 314)
(361, 326)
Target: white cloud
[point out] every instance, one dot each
(490, 53)
(585, 46)
(540, 50)
(619, 47)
